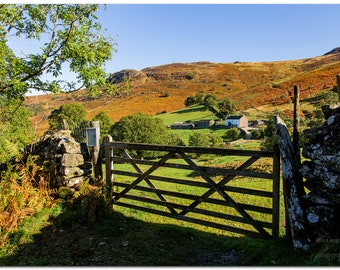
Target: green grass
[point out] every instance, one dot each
(206, 160)
(191, 113)
(120, 240)
(185, 133)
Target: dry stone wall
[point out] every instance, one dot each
(64, 159)
(322, 174)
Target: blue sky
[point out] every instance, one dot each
(156, 34)
(151, 34)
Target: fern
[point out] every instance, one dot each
(8, 150)
(23, 193)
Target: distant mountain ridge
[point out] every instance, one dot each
(164, 88)
(334, 51)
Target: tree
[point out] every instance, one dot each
(232, 134)
(226, 107)
(210, 101)
(105, 123)
(270, 138)
(143, 128)
(205, 140)
(199, 139)
(257, 133)
(73, 113)
(200, 98)
(215, 140)
(16, 129)
(192, 100)
(69, 36)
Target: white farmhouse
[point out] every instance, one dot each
(239, 121)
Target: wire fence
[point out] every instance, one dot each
(79, 132)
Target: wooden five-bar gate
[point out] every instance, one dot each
(203, 194)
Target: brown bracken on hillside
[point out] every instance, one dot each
(165, 88)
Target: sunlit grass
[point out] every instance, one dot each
(226, 161)
(191, 113)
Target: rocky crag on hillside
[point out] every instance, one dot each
(127, 74)
(322, 174)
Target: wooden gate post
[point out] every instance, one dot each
(108, 169)
(296, 135)
(292, 196)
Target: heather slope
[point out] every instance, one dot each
(154, 90)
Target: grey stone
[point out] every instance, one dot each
(74, 181)
(72, 160)
(71, 148)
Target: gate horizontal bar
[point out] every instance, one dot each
(248, 191)
(188, 149)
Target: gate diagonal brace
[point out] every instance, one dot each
(144, 176)
(216, 188)
(223, 182)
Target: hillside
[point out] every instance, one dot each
(160, 89)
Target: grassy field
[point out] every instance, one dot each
(81, 231)
(263, 165)
(191, 113)
(64, 236)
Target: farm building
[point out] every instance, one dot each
(204, 123)
(181, 125)
(239, 121)
(255, 123)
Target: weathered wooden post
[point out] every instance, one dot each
(108, 169)
(296, 135)
(292, 194)
(296, 141)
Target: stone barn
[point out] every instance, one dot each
(239, 121)
(204, 123)
(181, 125)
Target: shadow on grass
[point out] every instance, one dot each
(190, 110)
(66, 239)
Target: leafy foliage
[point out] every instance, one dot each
(205, 140)
(317, 118)
(73, 113)
(24, 191)
(189, 101)
(257, 133)
(232, 134)
(210, 101)
(226, 107)
(16, 129)
(86, 205)
(197, 99)
(143, 128)
(270, 138)
(68, 36)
